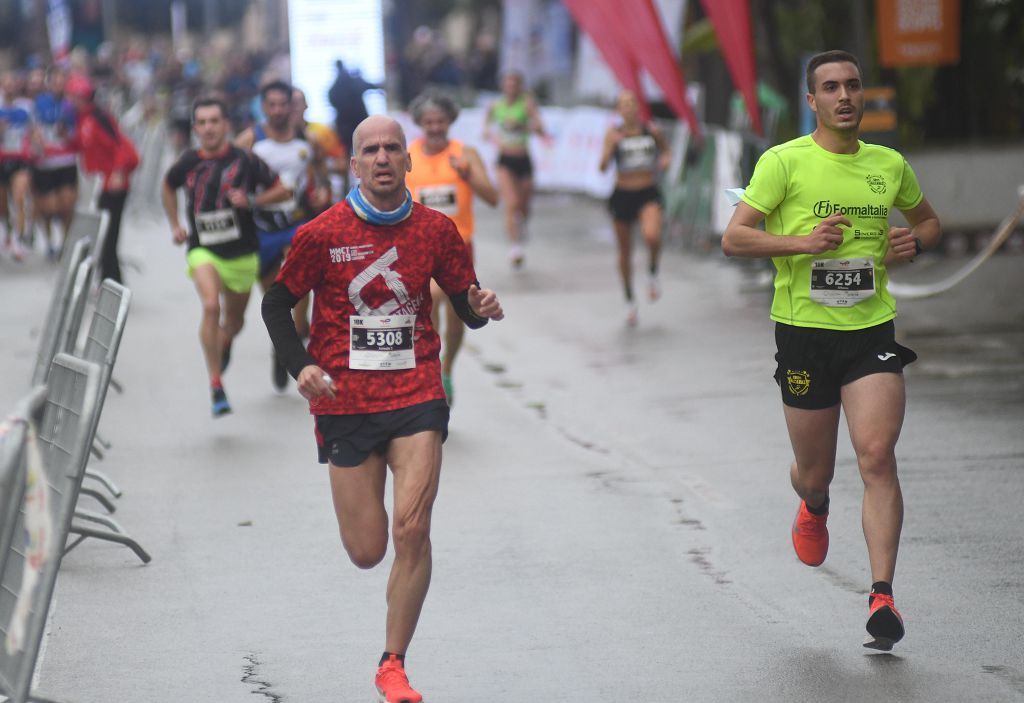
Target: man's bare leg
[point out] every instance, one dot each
(208, 285)
(233, 319)
(358, 493)
(416, 465)
(813, 434)
(874, 407)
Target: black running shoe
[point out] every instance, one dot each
(220, 402)
(280, 374)
(225, 358)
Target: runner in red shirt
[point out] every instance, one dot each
(371, 372)
(106, 151)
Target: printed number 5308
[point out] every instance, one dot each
(389, 338)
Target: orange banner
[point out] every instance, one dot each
(918, 32)
(879, 110)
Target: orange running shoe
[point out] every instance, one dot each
(810, 536)
(392, 683)
(885, 624)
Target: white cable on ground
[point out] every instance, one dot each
(927, 290)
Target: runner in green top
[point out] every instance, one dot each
(826, 200)
(510, 120)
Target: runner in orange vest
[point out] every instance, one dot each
(445, 175)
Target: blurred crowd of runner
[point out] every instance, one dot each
(60, 123)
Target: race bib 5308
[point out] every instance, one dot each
(381, 343)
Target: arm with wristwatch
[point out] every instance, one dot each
(906, 243)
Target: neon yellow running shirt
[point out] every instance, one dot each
(513, 120)
(798, 184)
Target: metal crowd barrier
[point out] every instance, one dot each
(13, 435)
(67, 305)
(45, 448)
(101, 346)
(12, 479)
(54, 323)
(61, 333)
(53, 467)
(91, 226)
(87, 225)
(67, 339)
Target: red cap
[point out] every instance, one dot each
(79, 86)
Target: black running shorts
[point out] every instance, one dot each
(347, 440)
(814, 364)
(518, 165)
(625, 205)
(47, 180)
(9, 168)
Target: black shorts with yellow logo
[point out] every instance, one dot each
(814, 364)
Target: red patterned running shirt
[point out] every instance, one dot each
(360, 270)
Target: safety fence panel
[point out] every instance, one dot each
(54, 462)
(54, 324)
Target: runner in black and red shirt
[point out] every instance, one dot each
(371, 372)
(222, 183)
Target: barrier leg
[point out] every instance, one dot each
(104, 480)
(108, 522)
(102, 442)
(85, 532)
(104, 501)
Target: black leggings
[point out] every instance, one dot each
(113, 202)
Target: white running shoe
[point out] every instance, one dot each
(632, 315)
(653, 288)
(516, 256)
(15, 250)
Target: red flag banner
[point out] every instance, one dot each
(638, 27)
(598, 26)
(731, 19)
(918, 32)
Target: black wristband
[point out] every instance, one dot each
(460, 303)
(918, 249)
(277, 314)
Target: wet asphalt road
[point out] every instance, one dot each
(614, 512)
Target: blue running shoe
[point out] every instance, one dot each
(221, 406)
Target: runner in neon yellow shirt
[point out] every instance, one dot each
(799, 183)
(826, 199)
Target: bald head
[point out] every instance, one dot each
(380, 160)
(374, 127)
